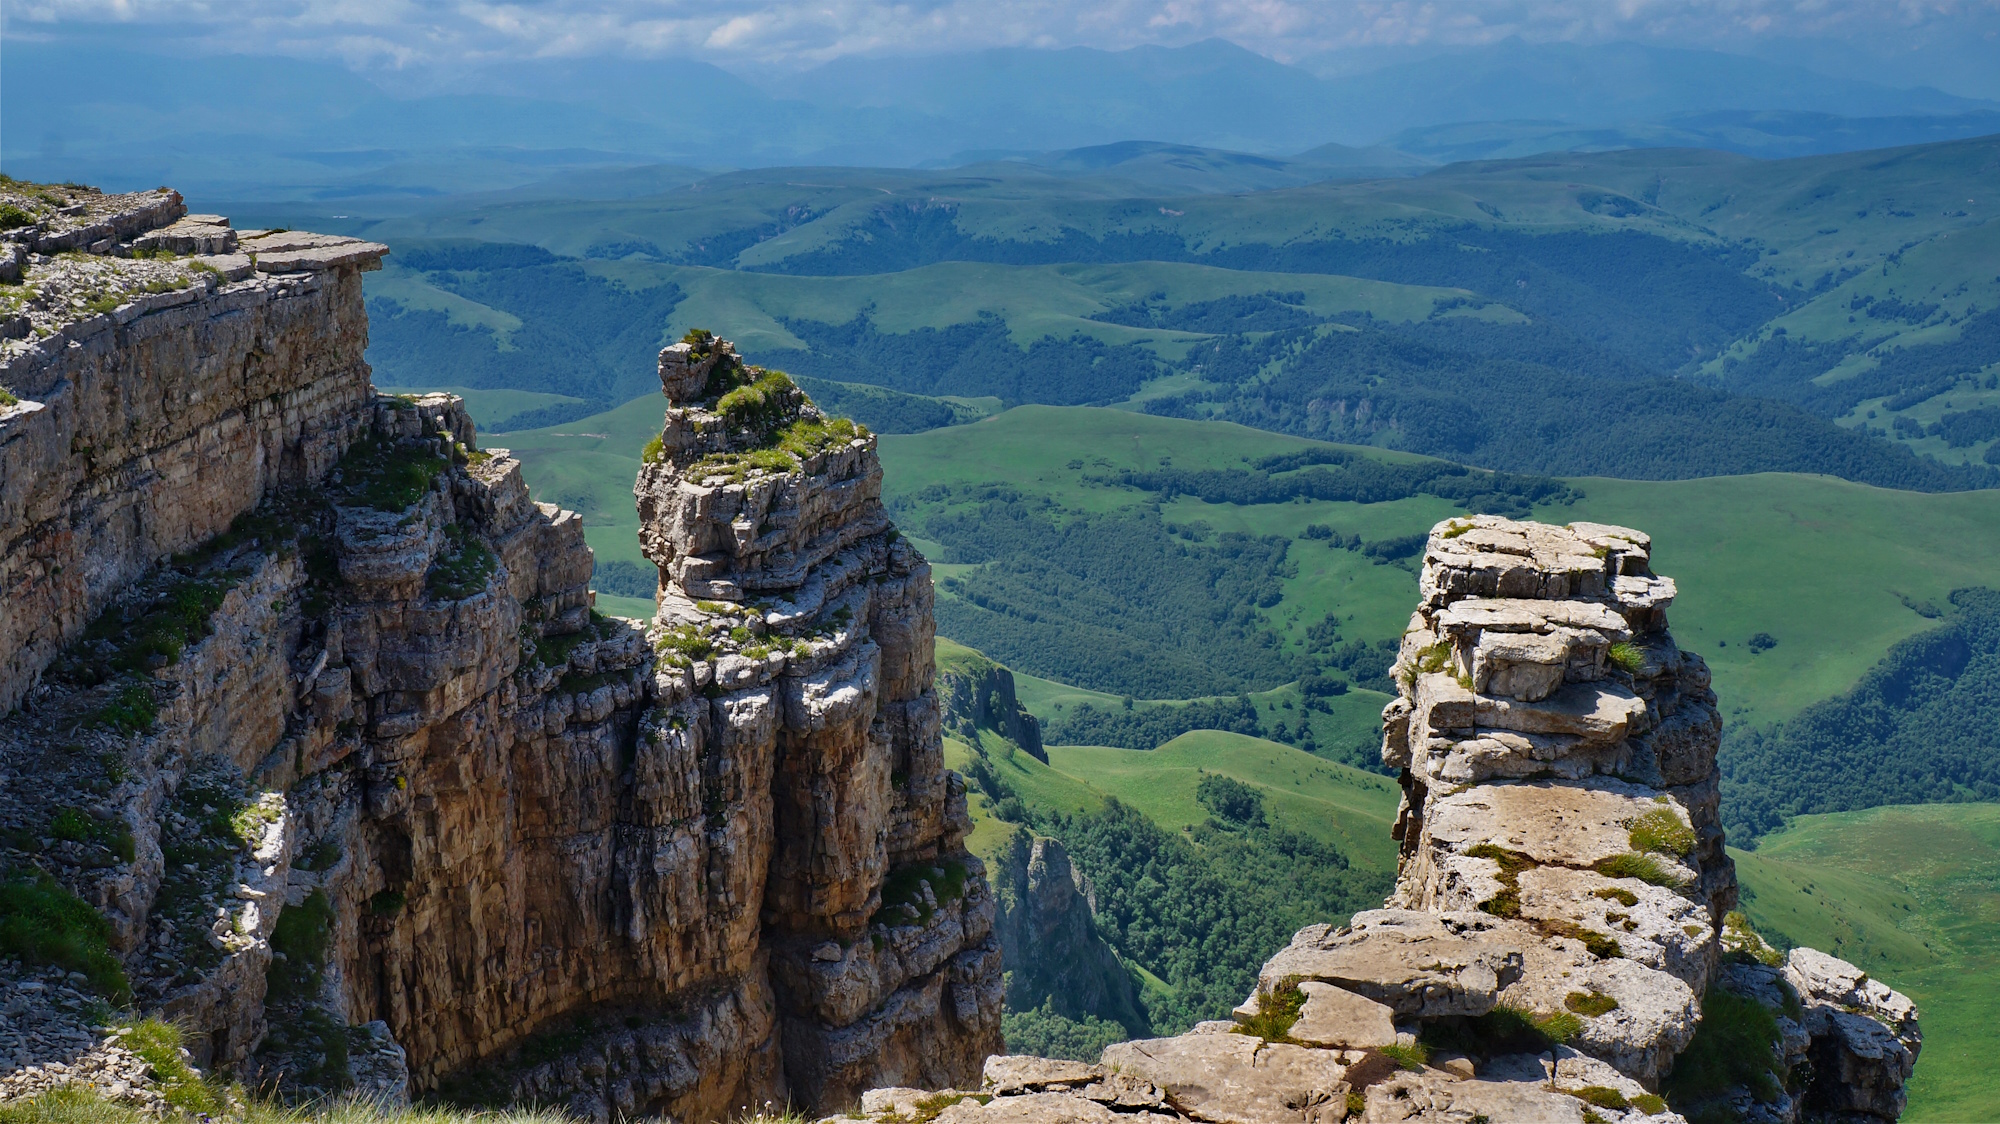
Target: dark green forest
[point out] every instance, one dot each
(580, 335)
(1923, 726)
(1152, 726)
(971, 360)
(1662, 302)
(1332, 474)
(1464, 392)
(1204, 911)
(1201, 910)
(1782, 367)
(1113, 602)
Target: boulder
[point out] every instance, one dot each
(1417, 964)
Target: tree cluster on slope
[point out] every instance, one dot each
(1918, 728)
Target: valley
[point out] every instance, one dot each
(1171, 429)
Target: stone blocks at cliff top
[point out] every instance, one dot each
(1563, 911)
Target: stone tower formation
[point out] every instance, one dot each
(1562, 924)
(306, 697)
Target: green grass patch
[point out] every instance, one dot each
(1506, 903)
(1412, 1058)
(1662, 832)
(1645, 868)
(1333, 803)
(1277, 1011)
(903, 898)
(759, 404)
(462, 568)
(1590, 1004)
(388, 475)
(1911, 894)
(1735, 1044)
(42, 922)
(302, 934)
(80, 825)
(158, 1044)
(1602, 1096)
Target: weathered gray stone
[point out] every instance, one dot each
(1418, 964)
(1334, 1016)
(1236, 1078)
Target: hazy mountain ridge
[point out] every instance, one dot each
(147, 117)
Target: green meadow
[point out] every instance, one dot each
(1911, 894)
(1827, 567)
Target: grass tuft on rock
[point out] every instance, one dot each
(462, 568)
(1590, 1004)
(1602, 1096)
(1277, 1011)
(42, 922)
(1735, 1045)
(1662, 832)
(388, 475)
(1507, 903)
(1645, 868)
(158, 1043)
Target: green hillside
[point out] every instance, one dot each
(1340, 805)
(1912, 895)
(1191, 905)
(1751, 554)
(1518, 314)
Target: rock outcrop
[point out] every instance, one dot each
(1561, 936)
(316, 711)
(1054, 956)
(977, 695)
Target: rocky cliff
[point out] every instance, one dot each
(977, 695)
(1561, 943)
(314, 710)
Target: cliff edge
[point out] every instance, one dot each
(1561, 944)
(317, 749)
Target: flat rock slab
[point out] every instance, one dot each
(1237, 1078)
(1334, 1016)
(1419, 965)
(1515, 614)
(1436, 1096)
(1043, 1108)
(1007, 1074)
(1558, 824)
(1657, 928)
(1653, 1021)
(1600, 712)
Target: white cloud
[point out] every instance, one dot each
(447, 32)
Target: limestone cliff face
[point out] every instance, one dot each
(799, 627)
(316, 711)
(1561, 932)
(1050, 944)
(978, 694)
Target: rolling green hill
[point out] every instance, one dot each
(1912, 895)
(1334, 803)
(1518, 314)
(1752, 554)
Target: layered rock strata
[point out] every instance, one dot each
(797, 624)
(155, 400)
(1562, 928)
(316, 712)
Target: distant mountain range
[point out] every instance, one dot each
(250, 127)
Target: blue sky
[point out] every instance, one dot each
(1954, 44)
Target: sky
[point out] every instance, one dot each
(1948, 43)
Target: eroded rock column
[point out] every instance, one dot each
(798, 627)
